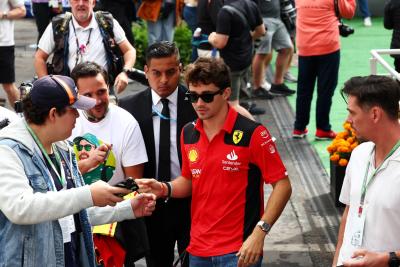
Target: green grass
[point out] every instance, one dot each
(355, 55)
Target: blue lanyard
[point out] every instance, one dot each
(158, 113)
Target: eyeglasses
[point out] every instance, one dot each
(87, 147)
(206, 97)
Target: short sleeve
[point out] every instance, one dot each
(223, 22)
(346, 187)
(134, 150)
(119, 34)
(46, 43)
(17, 3)
(186, 172)
(263, 153)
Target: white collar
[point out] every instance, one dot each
(173, 98)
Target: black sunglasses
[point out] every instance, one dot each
(206, 97)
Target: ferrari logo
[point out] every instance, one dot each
(237, 136)
(193, 155)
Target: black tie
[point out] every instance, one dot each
(164, 161)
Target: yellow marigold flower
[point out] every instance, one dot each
(347, 125)
(343, 162)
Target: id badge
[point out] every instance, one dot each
(67, 227)
(357, 230)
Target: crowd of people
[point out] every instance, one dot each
(76, 160)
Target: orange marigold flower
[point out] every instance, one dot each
(344, 149)
(334, 157)
(350, 140)
(343, 162)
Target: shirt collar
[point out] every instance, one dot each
(229, 121)
(173, 98)
(92, 25)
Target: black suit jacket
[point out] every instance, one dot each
(140, 106)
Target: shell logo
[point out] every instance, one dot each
(193, 155)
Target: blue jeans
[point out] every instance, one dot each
(364, 10)
(227, 260)
(190, 16)
(325, 70)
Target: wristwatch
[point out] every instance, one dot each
(126, 70)
(394, 261)
(264, 226)
(4, 15)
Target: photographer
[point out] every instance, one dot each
(318, 44)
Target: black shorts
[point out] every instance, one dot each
(7, 64)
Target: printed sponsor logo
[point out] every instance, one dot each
(193, 155)
(272, 149)
(264, 134)
(237, 136)
(232, 156)
(196, 173)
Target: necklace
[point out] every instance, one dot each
(81, 49)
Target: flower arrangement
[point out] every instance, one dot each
(341, 147)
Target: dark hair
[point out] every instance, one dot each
(208, 70)
(161, 50)
(35, 114)
(88, 69)
(375, 90)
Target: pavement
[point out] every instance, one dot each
(305, 234)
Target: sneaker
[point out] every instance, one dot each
(266, 85)
(288, 77)
(262, 93)
(281, 89)
(324, 135)
(367, 22)
(299, 133)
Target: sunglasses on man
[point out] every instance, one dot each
(87, 147)
(206, 97)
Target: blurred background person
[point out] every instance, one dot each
(391, 21)
(9, 11)
(318, 44)
(365, 13)
(44, 11)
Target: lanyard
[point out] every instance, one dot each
(367, 182)
(80, 49)
(61, 177)
(158, 113)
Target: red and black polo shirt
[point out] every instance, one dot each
(227, 175)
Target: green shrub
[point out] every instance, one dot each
(182, 39)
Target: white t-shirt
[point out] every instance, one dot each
(8, 114)
(120, 129)
(382, 201)
(95, 50)
(7, 25)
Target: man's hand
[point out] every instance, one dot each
(104, 194)
(150, 186)
(143, 204)
(365, 258)
(121, 82)
(252, 248)
(96, 157)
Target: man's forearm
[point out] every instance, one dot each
(277, 201)
(15, 13)
(181, 187)
(40, 64)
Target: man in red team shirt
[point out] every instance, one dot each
(225, 160)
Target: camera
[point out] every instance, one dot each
(129, 184)
(24, 89)
(345, 30)
(288, 14)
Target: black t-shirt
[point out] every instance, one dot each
(238, 52)
(71, 249)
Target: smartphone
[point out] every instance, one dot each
(129, 184)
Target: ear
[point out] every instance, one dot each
(52, 114)
(227, 93)
(376, 113)
(146, 70)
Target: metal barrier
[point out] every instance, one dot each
(376, 57)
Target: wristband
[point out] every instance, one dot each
(169, 191)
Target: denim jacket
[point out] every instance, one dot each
(37, 244)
